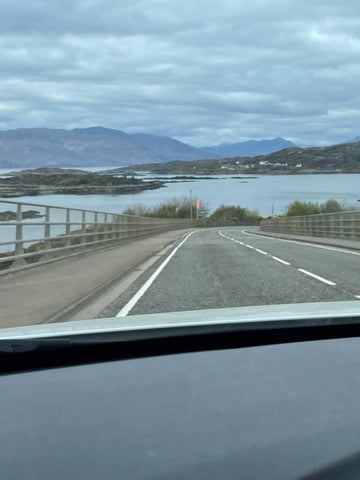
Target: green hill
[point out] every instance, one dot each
(344, 158)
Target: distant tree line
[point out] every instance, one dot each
(235, 213)
(184, 207)
(297, 208)
(176, 208)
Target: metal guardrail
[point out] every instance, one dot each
(31, 232)
(333, 225)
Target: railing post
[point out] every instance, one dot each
(19, 245)
(112, 227)
(331, 229)
(356, 225)
(352, 226)
(117, 226)
(106, 227)
(83, 228)
(342, 226)
(96, 227)
(47, 243)
(125, 228)
(67, 229)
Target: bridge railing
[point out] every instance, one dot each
(31, 232)
(335, 225)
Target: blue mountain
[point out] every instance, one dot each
(250, 148)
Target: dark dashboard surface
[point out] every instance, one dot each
(278, 411)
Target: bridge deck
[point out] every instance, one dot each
(55, 292)
(81, 287)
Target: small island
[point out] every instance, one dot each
(54, 181)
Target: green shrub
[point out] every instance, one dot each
(297, 208)
(172, 208)
(235, 213)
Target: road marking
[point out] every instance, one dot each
(357, 296)
(279, 260)
(241, 243)
(305, 244)
(317, 277)
(131, 303)
(321, 279)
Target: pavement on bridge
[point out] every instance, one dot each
(56, 291)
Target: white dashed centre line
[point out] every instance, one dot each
(317, 277)
(281, 261)
(303, 243)
(321, 279)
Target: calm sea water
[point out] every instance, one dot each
(266, 193)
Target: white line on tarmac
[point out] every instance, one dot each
(305, 244)
(321, 279)
(317, 277)
(241, 243)
(131, 303)
(279, 260)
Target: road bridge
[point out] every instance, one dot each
(186, 269)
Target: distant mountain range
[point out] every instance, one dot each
(88, 147)
(250, 148)
(104, 147)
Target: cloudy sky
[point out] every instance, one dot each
(201, 71)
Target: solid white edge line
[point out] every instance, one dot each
(279, 260)
(131, 303)
(321, 279)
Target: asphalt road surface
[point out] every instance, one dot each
(229, 267)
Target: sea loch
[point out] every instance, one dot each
(266, 193)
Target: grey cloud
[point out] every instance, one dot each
(191, 69)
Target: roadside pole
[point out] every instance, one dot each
(190, 205)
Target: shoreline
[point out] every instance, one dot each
(19, 190)
(239, 173)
